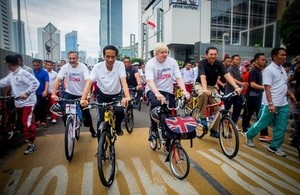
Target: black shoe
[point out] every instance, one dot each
(214, 134)
(93, 132)
(120, 132)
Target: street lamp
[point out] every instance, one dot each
(224, 37)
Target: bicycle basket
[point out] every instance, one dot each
(56, 109)
(180, 127)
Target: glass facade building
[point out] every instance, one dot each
(71, 41)
(248, 22)
(111, 29)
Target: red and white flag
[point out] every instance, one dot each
(151, 24)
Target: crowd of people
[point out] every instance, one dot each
(262, 89)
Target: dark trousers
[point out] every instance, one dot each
(237, 102)
(154, 103)
(40, 108)
(86, 115)
(252, 106)
(118, 110)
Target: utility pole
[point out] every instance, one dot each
(19, 28)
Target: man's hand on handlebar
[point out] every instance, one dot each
(54, 96)
(160, 98)
(84, 103)
(125, 101)
(238, 90)
(186, 94)
(207, 92)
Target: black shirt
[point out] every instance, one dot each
(256, 77)
(131, 81)
(211, 71)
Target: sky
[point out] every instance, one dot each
(66, 15)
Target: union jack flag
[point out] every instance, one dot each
(181, 124)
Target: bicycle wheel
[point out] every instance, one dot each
(152, 140)
(129, 119)
(140, 104)
(179, 162)
(106, 159)
(77, 130)
(229, 139)
(69, 139)
(200, 130)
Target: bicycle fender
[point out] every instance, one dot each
(103, 126)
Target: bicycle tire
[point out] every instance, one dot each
(129, 119)
(77, 130)
(179, 162)
(140, 104)
(200, 130)
(152, 140)
(69, 139)
(106, 159)
(229, 138)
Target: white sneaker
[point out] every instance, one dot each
(54, 121)
(249, 142)
(277, 151)
(30, 149)
(237, 127)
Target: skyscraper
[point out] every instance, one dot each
(15, 37)
(5, 25)
(71, 41)
(111, 28)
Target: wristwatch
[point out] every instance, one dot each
(270, 103)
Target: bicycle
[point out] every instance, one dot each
(228, 133)
(10, 124)
(73, 123)
(169, 134)
(190, 105)
(106, 155)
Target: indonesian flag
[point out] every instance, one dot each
(151, 24)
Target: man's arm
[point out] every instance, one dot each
(230, 80)
(86, 91)
(138, 80)
(55, 88)
(257, 86)
(181, 85)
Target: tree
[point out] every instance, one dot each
(290, 27)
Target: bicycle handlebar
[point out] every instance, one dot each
(224, 97)
(9, 97)
(181, 104)
(69, 100)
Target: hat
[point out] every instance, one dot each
(135, 64)
(11, 59)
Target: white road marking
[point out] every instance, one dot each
(88, 177)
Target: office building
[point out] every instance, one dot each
(71, 41)
(110, 24)
(49, 43)
(188, 27)
(6, 25)
(15, 38)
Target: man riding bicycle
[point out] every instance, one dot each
(209, 69)
(133, 78)
(159, 72)
(111, 79)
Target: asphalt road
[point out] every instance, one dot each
(141, 170)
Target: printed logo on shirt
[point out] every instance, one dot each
(74, 77)
(163, 73)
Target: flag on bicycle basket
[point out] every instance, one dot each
(181, 124)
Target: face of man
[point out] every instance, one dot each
(49, 66)
(227, 62)
(161, 56)
(126, 63)
(212, 55)
(261, 61)
(280, 58)
(110, 58)
(36, 66)
(236, 61)
(73, 59)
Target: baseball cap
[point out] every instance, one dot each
(135, 64)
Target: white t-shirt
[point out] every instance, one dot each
(162, 73)
(187, 75)
(108, 82)
(276, 77)
(21, 82)
(75, 78)
(52, 76)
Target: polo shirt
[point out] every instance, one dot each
(276, 77)
(43, 77)
(108, 82)
(211, 71)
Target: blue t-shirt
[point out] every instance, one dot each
(43, 77)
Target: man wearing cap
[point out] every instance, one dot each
(23, 85)
(133, 77)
